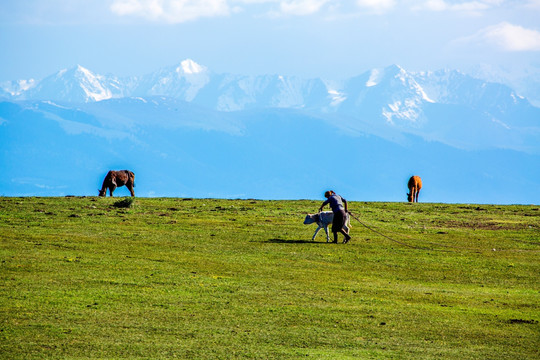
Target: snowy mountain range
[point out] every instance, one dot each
(440, 106)
(254, 132)
(192, 82)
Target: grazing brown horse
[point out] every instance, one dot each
(414, 185)
(116, 179)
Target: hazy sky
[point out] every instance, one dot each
(309, 38)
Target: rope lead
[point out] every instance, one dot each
(386, 236)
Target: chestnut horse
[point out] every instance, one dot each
(414, 185)
(116, 179)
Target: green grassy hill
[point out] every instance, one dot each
(241, 279)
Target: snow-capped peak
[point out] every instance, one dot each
(182, 81)
(375, 76)
(91, 84)
(190, 67)
(76, 84)
(83, 70)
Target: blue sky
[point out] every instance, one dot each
(309, 38)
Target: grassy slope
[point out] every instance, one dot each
(211, 279)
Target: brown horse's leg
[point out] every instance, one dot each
(130, 187)
(111, 189)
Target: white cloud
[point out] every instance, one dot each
(302, 7)
(532, 4)
(507, 37)
(463, 6)
(171, 11)
(377, 5)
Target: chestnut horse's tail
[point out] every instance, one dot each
(132, 176)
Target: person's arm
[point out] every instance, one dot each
(345, 204)
(323, 204)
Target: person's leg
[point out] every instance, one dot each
(337, 224)
(347, 236)
(343, 227)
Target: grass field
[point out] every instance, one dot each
(241, 279)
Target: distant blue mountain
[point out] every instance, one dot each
(185, 149)
(186, 131)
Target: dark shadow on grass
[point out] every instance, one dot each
(283, 241)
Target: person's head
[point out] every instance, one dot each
(328, 194)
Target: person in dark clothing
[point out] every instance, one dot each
(339, 208)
